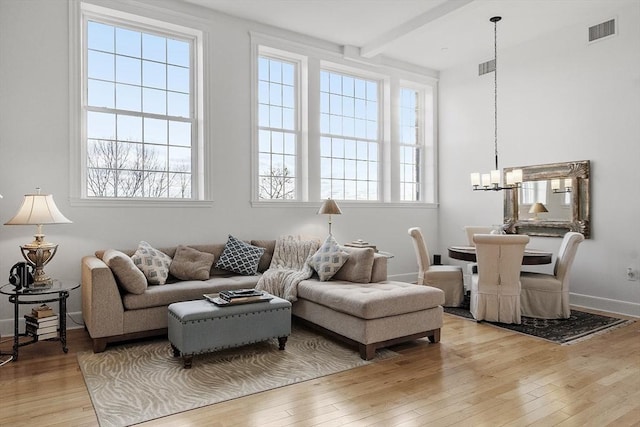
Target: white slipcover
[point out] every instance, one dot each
(448, 278)
(472, 267)
(546, 296)
(495, 290)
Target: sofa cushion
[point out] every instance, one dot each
(240, 257)
(191, 264)
(163, 295)
(265, 261)
(130, 278)
(328, 259)
(371, 300)
(358, 267)
(153, 263)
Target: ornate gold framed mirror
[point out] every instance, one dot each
(563, 191)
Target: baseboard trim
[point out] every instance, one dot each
(605, 304)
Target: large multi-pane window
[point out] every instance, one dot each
(349, 144)
(277, 129)
(327, 129)
(139, 112)
(411, 137)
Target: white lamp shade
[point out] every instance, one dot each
(517, 176)
(495, 176)
(38, 209)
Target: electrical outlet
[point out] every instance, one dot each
(632, 275)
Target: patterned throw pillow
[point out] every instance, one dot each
(240, 257)
(153, 263)
(328, 259)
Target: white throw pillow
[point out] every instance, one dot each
(328, 259)
(153, 263)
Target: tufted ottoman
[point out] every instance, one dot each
(201, 326)
(371, 315)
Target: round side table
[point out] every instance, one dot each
(57, 292)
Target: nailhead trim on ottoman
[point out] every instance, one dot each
(201, 326)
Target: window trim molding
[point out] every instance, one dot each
(390, 79)
(302, 172)
(144, 16)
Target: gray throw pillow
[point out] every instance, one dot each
(129, 276)
(358, 267)
(328, 259)
(240, 257)
(191, 264)
(153, 263)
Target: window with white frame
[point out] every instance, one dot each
(411, 144)
(349, 144)
(140, 109)
(277, 129)
(325, 129)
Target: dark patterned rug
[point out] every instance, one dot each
(580, 325)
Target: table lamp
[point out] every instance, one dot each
(329, 207)
(537, 208)
(38, 209)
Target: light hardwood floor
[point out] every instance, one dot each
(478, 375)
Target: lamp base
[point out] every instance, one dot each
(38, 254)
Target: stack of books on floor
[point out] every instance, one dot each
(42, 323)
(239, 296)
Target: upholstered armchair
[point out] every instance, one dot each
(448, 278)
(495, 290)
(546, 296)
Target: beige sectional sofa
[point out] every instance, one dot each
(372, 315)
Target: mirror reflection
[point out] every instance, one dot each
(553, 199)
(536, 195)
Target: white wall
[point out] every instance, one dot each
(559, 99)
(34, 151)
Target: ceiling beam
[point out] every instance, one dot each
(378, 45)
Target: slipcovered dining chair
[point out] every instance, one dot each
(476, 229)
(546, 296)
(495, 290)
(472, 267)
(448, 278)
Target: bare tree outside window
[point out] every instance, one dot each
(127, 170)
(278, 184)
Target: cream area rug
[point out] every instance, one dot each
(130, 384)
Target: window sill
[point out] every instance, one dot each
(140, 203)
(343, 203)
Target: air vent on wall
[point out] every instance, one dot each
(600, 31)
(486, 67)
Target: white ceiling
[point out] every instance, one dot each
(436, 34)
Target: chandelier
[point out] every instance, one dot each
(491, 181)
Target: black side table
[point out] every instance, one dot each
(59, 292)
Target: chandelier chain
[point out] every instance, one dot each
(495, 89)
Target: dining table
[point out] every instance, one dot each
(530, 257)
